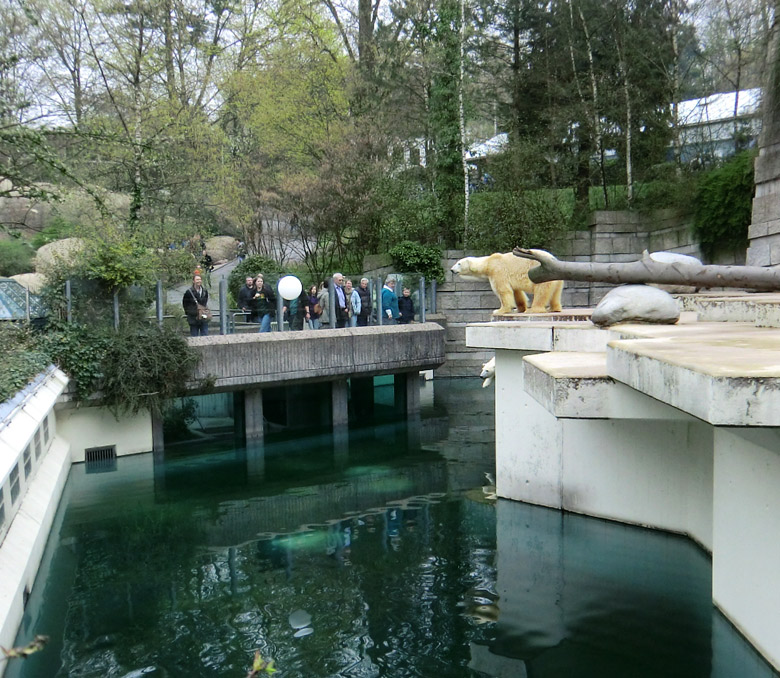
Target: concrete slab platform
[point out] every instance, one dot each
(727, 376)
(538, 336)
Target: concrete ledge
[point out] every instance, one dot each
(538, 336)
(569, 385)
(22, 548)
(278, 358)
(575, 385)
(728, 377)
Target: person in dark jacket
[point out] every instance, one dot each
(365, 303)
(406, 307)
(265, 301)
(313, 302)
(246, 299)
(298, 311)
(194, 296)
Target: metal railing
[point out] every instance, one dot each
(423, 297)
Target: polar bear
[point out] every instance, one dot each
(488, 372)
(508, 277)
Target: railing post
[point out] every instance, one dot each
(279, 311)
(159, 303)
(332, 303)
(68, 302)
(223, 306)
(422, 298)
(433, 296)
(116, 310)
(379, 314)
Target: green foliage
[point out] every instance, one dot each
(667, 186)
(144, 367)
(58, 228)
(21, 362)
(119, 263)
(15, 257)
(501, 220)
(251, 266)
(723, 206)
(138, 367)
(412, 257)
(79, 350)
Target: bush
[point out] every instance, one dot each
(501, 220)
(412, 257)
(57, 229)
(21, 361)
(15, 257)
(723, 206)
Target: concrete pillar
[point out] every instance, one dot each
(407, 392)
(746, 551)
(255, 460)
(340, 446)
(158, 439)
(253, 415)
(339, 403)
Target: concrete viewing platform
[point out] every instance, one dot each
(675, 427)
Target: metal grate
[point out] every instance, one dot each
(46, 429)
(14, 478)
(38, 442)
(27, 462)
(100, 459)
(2, 510)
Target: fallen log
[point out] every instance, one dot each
(647, 270)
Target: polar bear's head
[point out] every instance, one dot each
(463, 268)
(488, 372)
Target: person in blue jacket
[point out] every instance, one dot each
(390, 313)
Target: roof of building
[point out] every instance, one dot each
(13, 301)
(707, 110)
(719, 107)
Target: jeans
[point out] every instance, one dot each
(265, 323)
(315, 323)
(199, 328)
(353, 321)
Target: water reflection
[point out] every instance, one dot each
(370, 556)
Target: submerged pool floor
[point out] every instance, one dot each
(382, 554)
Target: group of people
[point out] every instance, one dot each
(311, 308)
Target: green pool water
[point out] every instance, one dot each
(369, 554)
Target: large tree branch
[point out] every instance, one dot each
(647, 270)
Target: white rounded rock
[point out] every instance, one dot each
(636, 303)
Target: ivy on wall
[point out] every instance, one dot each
(723, 206)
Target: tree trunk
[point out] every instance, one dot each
(462, 124)
(646, 270)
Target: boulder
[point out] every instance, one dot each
(55, 253)
(636, 303)
(31, 281)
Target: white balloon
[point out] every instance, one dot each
(289, 287)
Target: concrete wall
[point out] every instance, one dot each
(746, 552)
(660, 470)
(237, 361)
(86, 427)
